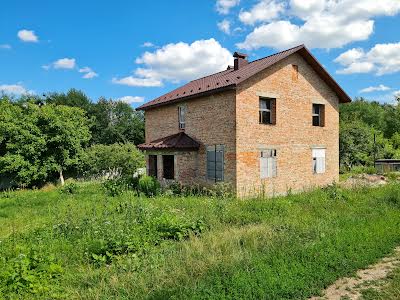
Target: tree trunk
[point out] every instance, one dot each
(62, 178)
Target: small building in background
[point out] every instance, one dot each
(387, 165)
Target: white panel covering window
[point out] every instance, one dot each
(215, 163)
(181, 116)
(268, 163)
(318, 156)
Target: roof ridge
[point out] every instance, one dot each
(298, 46)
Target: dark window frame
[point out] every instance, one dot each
(318, 115)
(153, 165)
(267, 112)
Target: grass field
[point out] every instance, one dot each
(88, 245)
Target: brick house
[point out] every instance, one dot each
(270, 126)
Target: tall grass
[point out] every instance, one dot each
(92, 246)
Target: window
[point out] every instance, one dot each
(215, 163)
(181, 116)
(318, 115)
(168, 166)
(295, 72)
(267, 111)
(318, 156)
(153, 165)
(268, 163)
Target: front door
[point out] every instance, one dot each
(168, 167)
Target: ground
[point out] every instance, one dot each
(80, 243)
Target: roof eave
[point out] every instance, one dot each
(145, 107)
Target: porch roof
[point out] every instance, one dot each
(178, 141)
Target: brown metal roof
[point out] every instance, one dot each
(230, 78)
(178, 141)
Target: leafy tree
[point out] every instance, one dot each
(119, 159)
(38, 141)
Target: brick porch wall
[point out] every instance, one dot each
(210, 120)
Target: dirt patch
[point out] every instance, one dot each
(350, 288)
(364, 180)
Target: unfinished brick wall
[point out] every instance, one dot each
(293, 136)
(210, 120)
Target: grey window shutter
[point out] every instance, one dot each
(211, 160)
(219, 163)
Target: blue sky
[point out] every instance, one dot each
(138, 50)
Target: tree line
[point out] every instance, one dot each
(368, 129)
(42, 138)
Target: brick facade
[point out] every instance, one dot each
(231, 118)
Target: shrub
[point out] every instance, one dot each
(112, 160)
(149, 186)
(69, 188)
(115, 186)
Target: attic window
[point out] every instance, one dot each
(217, 83)
(199, 88)
(318, 115)
(295, 72)
(267, 111)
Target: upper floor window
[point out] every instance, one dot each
(295, 72)
(267, 111)
(318, 115)
(181, 116)
(268, 163)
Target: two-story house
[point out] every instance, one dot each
(270, 125)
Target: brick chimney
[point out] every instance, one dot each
(240, 60)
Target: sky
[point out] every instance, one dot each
(135, 51)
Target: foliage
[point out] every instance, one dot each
(115, 186)
(196, 247)
(360, 120)
(69, 188)
(149, 186)
(113, 121)
(38, 142)
(112, 160)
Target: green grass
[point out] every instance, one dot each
(91, 246)
(390, 289)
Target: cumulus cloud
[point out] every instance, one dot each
(225, 26)
(14, 89)
(27, 36)
(5, 46)
(178, 62)
(379, 88)
(131, 99)
(322, 23)
(224, 6)
(381, 59)
(265, 10)
(64, 63)
(88, 73)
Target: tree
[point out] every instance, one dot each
(38, 141)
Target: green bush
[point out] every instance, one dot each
(149, 186)
(115, 187)
(112, 160)
(69, 188)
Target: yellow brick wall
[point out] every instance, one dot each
(210, 120)
(293, 136)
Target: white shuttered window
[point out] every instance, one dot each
(268, 163)
(318, 156)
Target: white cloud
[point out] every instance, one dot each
(224, 26)
(179, 62)
(379, 88)
(148, 45)
(131, 99)
(27, 36)
(323, 23)
(64, 63)
(133, 81)
(89, 73)
(5, 46)
(224, 6)
(15, 89)
(265, 10)
(381, 59)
